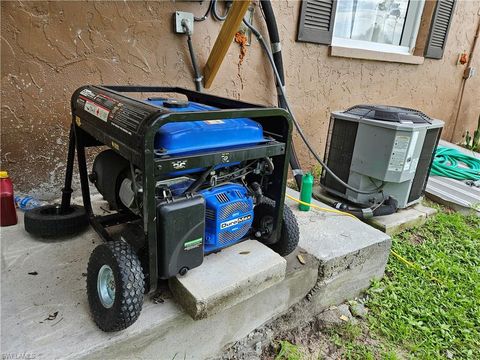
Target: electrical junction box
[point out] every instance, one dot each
(385, 147)
(185, 17)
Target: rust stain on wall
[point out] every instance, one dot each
(51, 48)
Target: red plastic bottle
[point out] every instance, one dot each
(8, 214)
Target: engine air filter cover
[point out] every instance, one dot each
(229, 215)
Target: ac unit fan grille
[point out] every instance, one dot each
(424, 164)
(339, 152)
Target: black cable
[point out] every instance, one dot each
(204, 17)
(215, 13)
(295, 122)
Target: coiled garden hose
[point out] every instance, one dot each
(446, 163)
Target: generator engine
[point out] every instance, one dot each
(227, 189)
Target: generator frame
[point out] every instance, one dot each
(84, 134)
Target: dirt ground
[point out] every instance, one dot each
(337, 333)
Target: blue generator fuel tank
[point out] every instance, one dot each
(195, 136)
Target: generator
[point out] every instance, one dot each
(384, 151)
(192, 173)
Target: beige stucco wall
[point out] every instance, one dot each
(48, 49)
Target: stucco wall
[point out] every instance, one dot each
(48, 49)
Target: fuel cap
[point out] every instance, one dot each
(175, 103)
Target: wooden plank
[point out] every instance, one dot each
(224, 39)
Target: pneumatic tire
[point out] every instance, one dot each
(48, 221)
(115, 286)
(263, 221)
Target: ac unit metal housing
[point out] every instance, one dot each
(380, 146)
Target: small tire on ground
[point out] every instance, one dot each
(46, 221)
(129, 286)
(290, 233)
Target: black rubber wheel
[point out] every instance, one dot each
(47, 221)
(263, 222)
(115, 286)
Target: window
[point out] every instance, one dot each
(381, 25)
(388, 27)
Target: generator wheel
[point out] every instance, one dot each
(115, 286)
(263, 221)
(47, 221)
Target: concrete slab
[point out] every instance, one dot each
(228, 278)
(403, 219)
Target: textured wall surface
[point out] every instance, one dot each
(48, 49)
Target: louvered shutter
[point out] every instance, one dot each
(437, 37)
(316, 21)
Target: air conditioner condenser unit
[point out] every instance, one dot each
(380, 147)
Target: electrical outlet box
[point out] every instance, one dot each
(180, 18)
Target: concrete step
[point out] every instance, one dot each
(351, 253)
(227, 278)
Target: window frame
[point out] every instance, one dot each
(408, 38)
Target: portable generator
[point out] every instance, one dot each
(193, 175)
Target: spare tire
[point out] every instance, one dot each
(47, 221)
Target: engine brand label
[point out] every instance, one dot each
(96, 110)
(234, 222)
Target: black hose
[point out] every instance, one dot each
(200, 180)
(389, 206)
(278, 60)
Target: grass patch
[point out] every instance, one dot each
(355, 343)
(430, 318)
(288, 351)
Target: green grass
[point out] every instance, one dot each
(355, 344)
(432, 318)
(288, 351)
(428, 310)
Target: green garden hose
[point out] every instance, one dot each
(446, 163)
